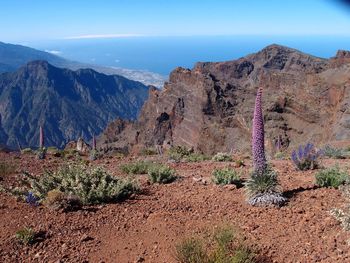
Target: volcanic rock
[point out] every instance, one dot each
(210, 107)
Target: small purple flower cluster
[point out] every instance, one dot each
(31, 199)
(305, 158)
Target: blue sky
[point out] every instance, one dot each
(30, 20)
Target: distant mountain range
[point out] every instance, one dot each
(210, 108)
(67, 103)
(14, 56)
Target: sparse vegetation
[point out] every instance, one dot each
(335, 153)
(161, 174)
(91, 186)
(196, 157)
(148, 151)
(25, 236)
(139, 167)
(331, 177)
(306, 158)
(343, 215)
(222, 157)
(58, 200)
(226, 176)
(178, 153)
(223, 245)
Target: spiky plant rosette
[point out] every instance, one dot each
(262, 188)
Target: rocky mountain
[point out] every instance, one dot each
(210, 108)
(68, 104)
(13, 57)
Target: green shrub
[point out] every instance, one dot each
(335, 153)
(196, 157)
(331, 177)
(91, 186)
(26, 236)
(161, 174)
(221, 246)
(280, 156)
(191, 250)
(222, 157)
(177, 153)
(58, 200)
(139, 167)
(226, 176)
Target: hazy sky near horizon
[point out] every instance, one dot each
(37, 20)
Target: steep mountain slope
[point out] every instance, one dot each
(68, 104)
(210, 107)
(14, 56)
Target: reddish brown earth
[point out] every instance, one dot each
(146, 228)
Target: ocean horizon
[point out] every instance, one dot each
(163, 54)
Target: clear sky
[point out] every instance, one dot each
(30, 20)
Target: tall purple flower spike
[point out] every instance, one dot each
(41, 138)
(258, 147)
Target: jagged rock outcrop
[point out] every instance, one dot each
(210, 107)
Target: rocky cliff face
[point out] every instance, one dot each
(210, 107)
(68, 104)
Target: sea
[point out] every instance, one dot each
(163, 54)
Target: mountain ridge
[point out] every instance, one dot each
(210, 106)
(68, 104)
(13, 56)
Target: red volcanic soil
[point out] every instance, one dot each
(147, 227)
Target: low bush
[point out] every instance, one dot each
(26, 236)
(91, 186)
(223, 245)
(335, 153)
(178, 153)
(139, 167)
(196, 157)
(222, 157)
(226, 176)
(343, 215)
(331, 177)
(58, 200)
(161, 174)
(306, 158)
